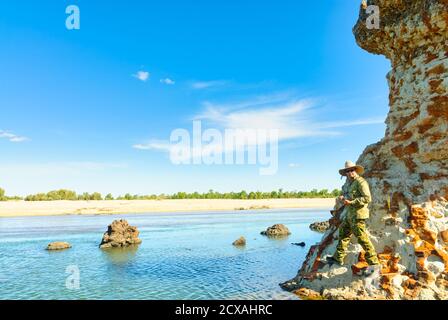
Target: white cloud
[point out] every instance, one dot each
(199, 85)
(12, 137)
(294, 165)
(142, 75)
(293, 118)
(167, 81)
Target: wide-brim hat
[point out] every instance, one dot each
(351, 165)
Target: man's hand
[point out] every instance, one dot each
(347, 202)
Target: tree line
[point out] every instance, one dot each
(64, 194)
(3, 197)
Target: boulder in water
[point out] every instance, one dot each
(58, 246)
(240, 242)
(277, 230)
(320, 226)
(120, 234)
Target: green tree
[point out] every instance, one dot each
(62, 194)
(96, 196)
(243, 195)
(336, 192)
(109, 196)
(128, 196)
(2, 195)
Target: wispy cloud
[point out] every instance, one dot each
(291, 117)
(12, 137)
(199, 85)
(142, 75)
(167, 81)
(352, 123)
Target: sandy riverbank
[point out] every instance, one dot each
(53, 208)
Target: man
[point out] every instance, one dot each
(356, 197)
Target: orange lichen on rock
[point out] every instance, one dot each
(411, 288)
(405, 154)
(439, 108)
(430, 57)
(424, 241)
(444, 236)
(426, 125)
(389, 261)
(403, 136)
(385, 284)
(404, 120)
(307, 294)
(435, 86)
(437, 70)
(361, 265)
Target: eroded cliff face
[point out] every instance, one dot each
(407, 170)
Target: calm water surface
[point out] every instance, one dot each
(183, 256)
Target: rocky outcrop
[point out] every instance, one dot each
(407, 170)
(320, 226)
(58, 246)
(120, 234)
(240, 242)
(277, 230)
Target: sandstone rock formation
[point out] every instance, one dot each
(320, 226)
(120, 234)
(240, 242)
(277, 230)
(58, 246)
(407, 170)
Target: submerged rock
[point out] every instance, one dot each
(299, 244)
(240, 242)
(320, 226)
(58, 246)
(277, 230)
(120, 234)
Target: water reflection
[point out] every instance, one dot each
(120, 256)
(192, 253)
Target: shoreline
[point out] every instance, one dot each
(10, 209)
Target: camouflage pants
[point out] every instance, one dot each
(350, 225)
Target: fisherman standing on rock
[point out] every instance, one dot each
(355, 199)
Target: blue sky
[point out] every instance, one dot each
(83, 109)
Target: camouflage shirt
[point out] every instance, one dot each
(359, 193)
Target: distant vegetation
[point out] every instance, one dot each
(63, 194)
(3, 197)
(73, 196)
